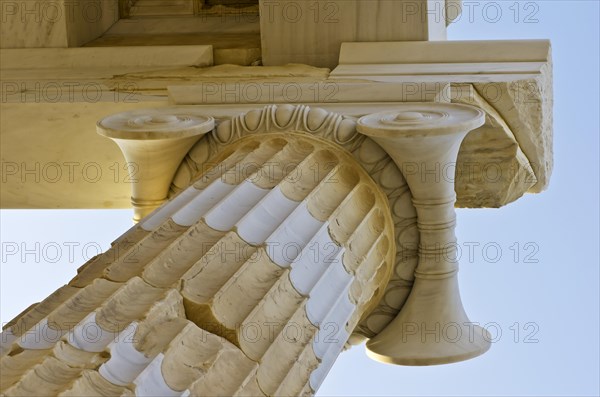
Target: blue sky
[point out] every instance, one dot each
(542, 304)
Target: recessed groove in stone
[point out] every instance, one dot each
(333, 326)
(195, 354)
(274, 284)
(365, 280)
(126, 362)
(229, 376)
(269, 316)
(73, 310)
(136, 301)
(151, 381)
(48, 378)
(13, 367)
(224, 215)
(214, 269)
(66, 361)
(130, 252)
(77, 358)
(131, 264)
(314, 260)
(168, 267)
(318, 375)
(219, 167)
(362, 239)
(350, 213)
(217, 183)
(91, 383)
(48, 331)
(286, 348)
(39, 311)
(281, 164)
(135, 348)
(309, 172)
(331, 192)
(242, 292)
(333, 285)
(193, 211)
(95, 267)
(40, 336)
(252, 163)
(301, 181)
(227, 212)
(264, 218)
(299, 374)
(160, 215)
(292, 236)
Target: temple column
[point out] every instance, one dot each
(255, 276)
(248, 283)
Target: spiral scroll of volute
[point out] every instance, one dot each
(249, 282)
(432, 326)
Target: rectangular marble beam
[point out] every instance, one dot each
(324, 25)
(106, 57)
(53, 158)
(92, 75)
(56, 23)
(514, 77)
(273, 91)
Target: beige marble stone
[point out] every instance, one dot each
(241, 86)
(202, 296)
(506, 171)
(87, 172)
(430, 134)
(69, 90)
(303, 90)
(527, 106)
(55, 24)
(235, 24)
(514, 77)
(233, 31)
(158, 8)
(456, 51)
(146, 343)
(342, 131)
(153, 143)
(75, 59)
(325, 25)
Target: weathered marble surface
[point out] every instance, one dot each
(155, 143)
(513, 77)
(55, 24)
(56, 159)
(511, 80)
(325, 25)
(174, 305)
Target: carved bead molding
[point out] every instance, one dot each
(153, 142)
(342, 131)
(429, 134)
